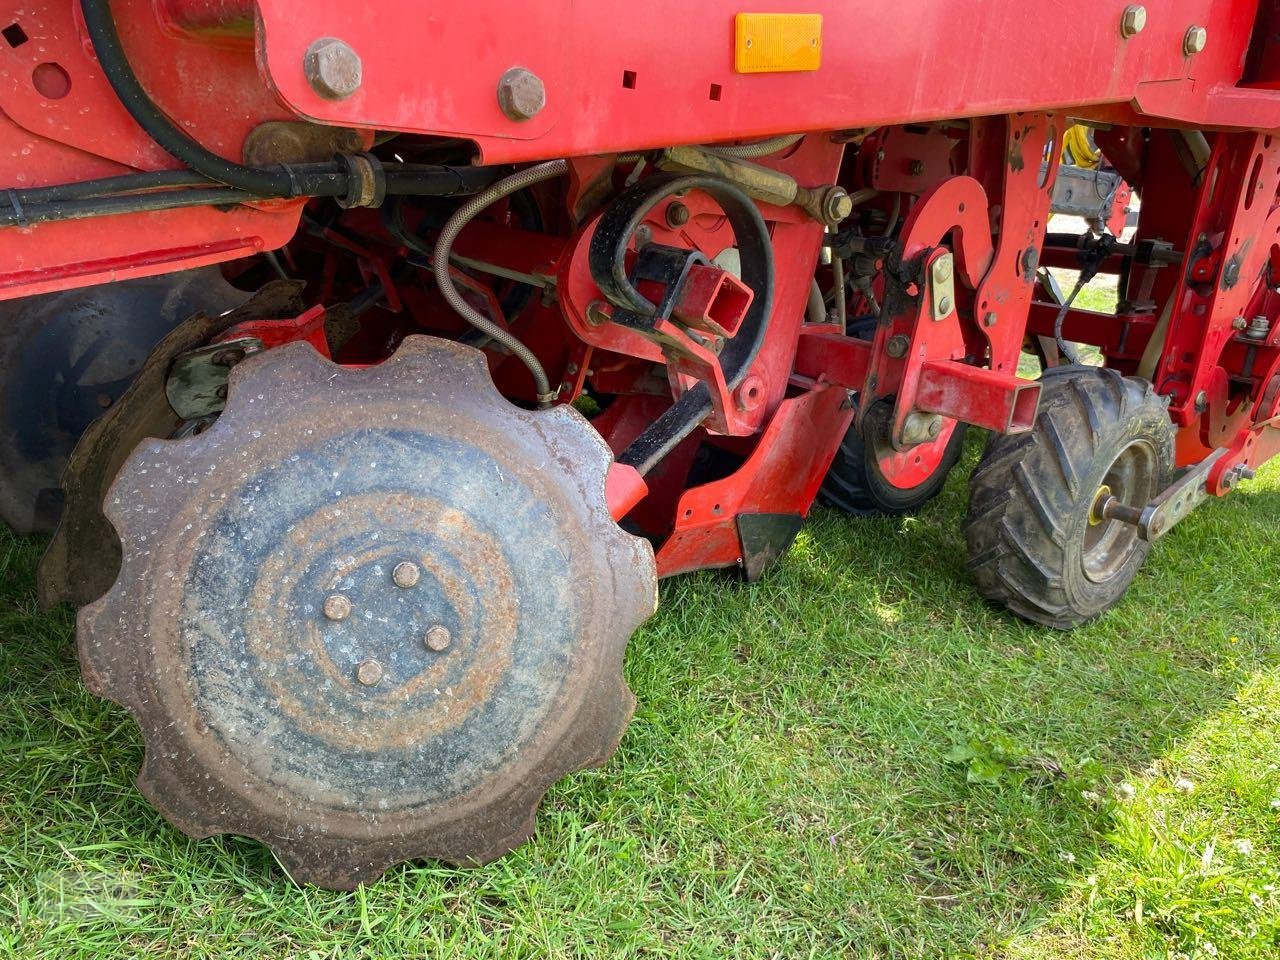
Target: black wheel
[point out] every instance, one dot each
(1035, 542)
(856, 482)
(65, 358)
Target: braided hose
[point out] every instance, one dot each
(440, 266)
(762, 148)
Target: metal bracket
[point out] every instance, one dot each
(197, 381)
(942, 287)
(1173, 504)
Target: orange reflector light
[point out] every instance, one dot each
(777, 42)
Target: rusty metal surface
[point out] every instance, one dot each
(82, 558)
(352, 735)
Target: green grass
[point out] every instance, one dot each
(853, 758)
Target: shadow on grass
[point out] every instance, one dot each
(791, 782)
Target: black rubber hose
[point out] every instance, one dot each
(137, 203)
(110, 186)
(264, 182)
(117, 195)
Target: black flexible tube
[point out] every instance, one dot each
(117, 195)
(137, 203)
(272, 182)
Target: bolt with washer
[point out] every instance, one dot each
(521, 94)
(332, 68)
(1133, 20)
(1194, 41)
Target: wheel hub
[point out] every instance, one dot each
(369, 615)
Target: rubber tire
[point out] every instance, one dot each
(1031, 495)
(64, 358)
(856, 485)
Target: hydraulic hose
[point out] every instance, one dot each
(761, 148)
(297, 180)
(440, 265)
(275, 182)
(139, 192)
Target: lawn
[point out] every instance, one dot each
(855, 757)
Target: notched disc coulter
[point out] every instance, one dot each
(369, 615)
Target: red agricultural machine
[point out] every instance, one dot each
(375, 361)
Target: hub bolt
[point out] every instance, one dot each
(521, 94)
(332, 68)
(337, 607)
(369, 672)
(406, 574)
(438, 638)
(1133, 20)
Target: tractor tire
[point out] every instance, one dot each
(65, 358)
(856, 484)
(1034, 543)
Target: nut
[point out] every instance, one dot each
(337, 607)
(836, 205)
(677, 214)
(896, 346)
(1194, 40)
(438, 638)
(369, 672)
(990, 319)
(1133, 20)
(521, 95)
(405, 574)
(332, 68)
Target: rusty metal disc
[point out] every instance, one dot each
(369, 615)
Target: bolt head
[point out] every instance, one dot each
(1202, 402)
(990, 319)
(942, 269)
(438, 638)
(1133, 20)
(838, 205)
(332, 68)
(406, 574)
(677, 214)
(521, 94)
(944, 306)
(896, 346)
(369, 672)
(1194, 40)
(337, 607)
